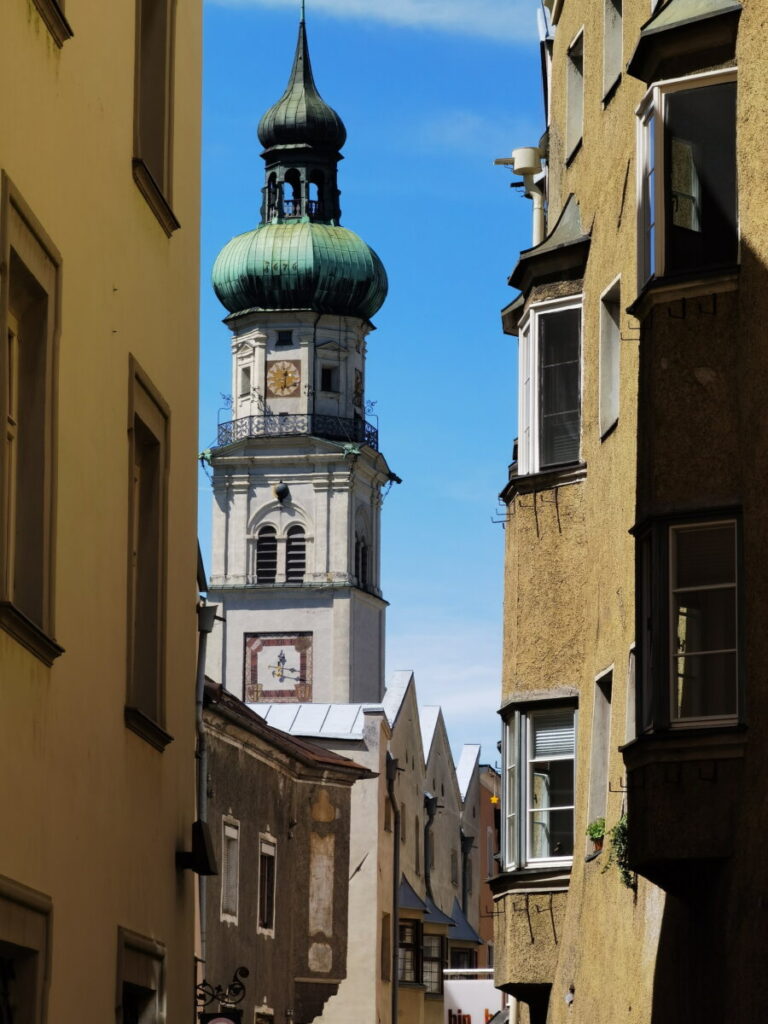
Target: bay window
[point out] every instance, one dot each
(687, 194)
(539, 758)
(550, 386)
(689, 621)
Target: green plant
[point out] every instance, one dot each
(619, 852)
(596, 829)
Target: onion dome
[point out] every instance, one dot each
(301, 117)
(320, 267)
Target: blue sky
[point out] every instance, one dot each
(430, 92)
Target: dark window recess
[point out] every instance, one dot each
(284, 339)
(434, 957)
(361, 562)
(701, 200)
(329, 378)
(463, 959)
(138, 1004)
(266, 555)
(295, 555)
(245, 381)
(559, 384)
(267, 890)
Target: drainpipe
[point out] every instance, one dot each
(206, 615)
(392, 771)
(467, 842)
(537, 195)
(430, 806)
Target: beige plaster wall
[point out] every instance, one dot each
(94, 814)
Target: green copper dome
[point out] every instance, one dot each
(320, 267)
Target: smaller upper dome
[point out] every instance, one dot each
(301, 117)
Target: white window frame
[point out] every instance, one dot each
(268, 848)
(612, 75)
(528, 445)
(712, 720)
(516, 746)
(651, 119)
(230, 865)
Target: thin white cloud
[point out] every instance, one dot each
(495, 19)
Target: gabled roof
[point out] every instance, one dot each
(394, 696)
(470, 755)
(461, 930)
(408, 898)
(428, 719)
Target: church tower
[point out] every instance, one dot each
(297, 473)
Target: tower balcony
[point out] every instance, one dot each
(335, 428)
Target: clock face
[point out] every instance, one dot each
(283, 378)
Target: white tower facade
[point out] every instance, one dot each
(297, 474)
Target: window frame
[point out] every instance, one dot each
(574, 90)
(230, 868)
(650, 146)
(267, 849)
(609, 410)
(654, 657)
(26, 932)
(17, 221)
(529, 384)
(612, 76)
(517, 727)
(134, 947)
(54, 19)
(438, 958)
(415, 947)
(147, 406)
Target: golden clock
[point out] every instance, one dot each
(283, 378)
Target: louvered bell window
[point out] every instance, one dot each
(266, 555)
(295, 555)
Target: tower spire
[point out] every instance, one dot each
(302, 10)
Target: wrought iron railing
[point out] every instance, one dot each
(335, 428)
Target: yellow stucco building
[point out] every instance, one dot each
(99, 217)
(634, 648)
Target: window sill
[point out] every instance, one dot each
(411, 984)
(156, 201)
(592, 856)
(662, 290)
(677, 745)
(29, 635)
(609, 430)
(148, 729)
(547, 480)
(611, 91)
(551, 879)
(54, 19)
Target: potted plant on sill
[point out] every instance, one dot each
(596, 832)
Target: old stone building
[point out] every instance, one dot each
(99, 212)
(634, 649)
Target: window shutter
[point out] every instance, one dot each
(553, 734)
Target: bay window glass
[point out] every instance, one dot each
(539, 787)
(550, 386)
(689, 618)
(432, 971)
(687, 185)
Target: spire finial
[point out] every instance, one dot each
(302, 10)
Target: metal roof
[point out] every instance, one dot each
(470, 755)
(681, 12)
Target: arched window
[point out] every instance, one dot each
(295, 555)
(266, 555)
(361, 561)
(292, 193)
(271, 196)
(315, 204)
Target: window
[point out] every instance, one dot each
(152, 117)
(575, 77)
(266, 555)
(417, 844)
(409, 952)
(610, 352)
(148, 444)
(267, 857)
(550, 386)
(329, 379)
(600, 747)
(463, 959)
(612, 44)
(690, 618)
(295, 555)
(402, 823)
(631, 723)
(433, 962)
(539, 792)
(245, 382)
(27, 406)
(140, 979)
(361, 561)
(454, 868)
(230, 869)
(284, 339)
(688, 205)
(25, 947)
